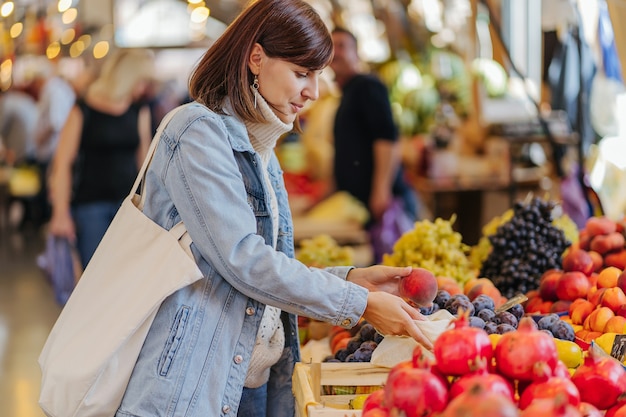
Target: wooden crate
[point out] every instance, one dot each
(325, 389)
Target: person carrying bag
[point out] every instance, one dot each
(90, 353)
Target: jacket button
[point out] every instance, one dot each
(238, 359)
(346, 322)
(226, 408)
(250, 311)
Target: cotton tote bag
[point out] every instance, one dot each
(90, 353)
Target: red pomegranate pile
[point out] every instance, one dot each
(522, 376)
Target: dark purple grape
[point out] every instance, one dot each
(477, 322)
(368, 344)
(342, 354)
(427, 310)
(483, 301)
(491, 327)
(459, 304)
(459, 301)
(363, 355)
(378, 338)
(367, 332)
(563, 330)
(504, 328)
(517, 310)
(486, 314)
(504, 317)
(547, 321)
(442, 298)
(351, 358)
(353, 344)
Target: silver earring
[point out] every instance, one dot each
(255, 85)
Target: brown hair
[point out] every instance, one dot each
(290, 30)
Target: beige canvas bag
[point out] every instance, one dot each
(90, 353)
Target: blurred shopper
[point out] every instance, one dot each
(367, 161)
(55, 97)
(102, 145)
(18, 121)
(227, 344)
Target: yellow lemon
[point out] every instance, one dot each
(569, 353)
(357, 402)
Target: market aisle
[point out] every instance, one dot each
(27, 313)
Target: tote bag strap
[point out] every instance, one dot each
(139, 181)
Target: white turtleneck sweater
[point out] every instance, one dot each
(270, 339)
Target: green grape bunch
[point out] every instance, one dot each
(434, 246)
(322, 251)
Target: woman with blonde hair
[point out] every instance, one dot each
(102, 145)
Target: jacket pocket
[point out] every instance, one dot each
(174, 340)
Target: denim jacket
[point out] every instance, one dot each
(196, 355)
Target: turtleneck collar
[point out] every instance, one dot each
(264, 136)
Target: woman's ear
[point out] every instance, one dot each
(256, 56)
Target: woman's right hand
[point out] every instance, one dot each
(391, 315)
(62, 225)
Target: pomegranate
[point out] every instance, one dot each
(551, 407)
(457, 348)
(477, 401)
(600, 380)
(421, 361)
(376, 412)
(517, 352)
(416, 392)
(588, 410)
(374, 400)
(546, 385)
(480, 375)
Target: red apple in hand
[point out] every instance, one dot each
(419, 287)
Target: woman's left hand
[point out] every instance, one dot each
(379, 277)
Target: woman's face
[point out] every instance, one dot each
(285, 86)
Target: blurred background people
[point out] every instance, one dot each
(18, 121)
(55, 97)
(367, 161)
(102, 145)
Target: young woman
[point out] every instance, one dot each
(226, 345)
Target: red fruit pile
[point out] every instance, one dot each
(521, 377)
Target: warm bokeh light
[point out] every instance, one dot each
(7, 8)
(195, 1)
(199, 14)
(100, 49)
(69, 16)
(68, 36)
(53, 50)
(6, 71)
(16, 29)
(86, 40)
(77, 49)
(64, 5)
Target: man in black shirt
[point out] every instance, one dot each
(367, 160)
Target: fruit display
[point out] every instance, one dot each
(482, 249)
(434, 246)
(354, 345)
(523, 248)
(519, 374)
(323, 251)
(589, 289)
